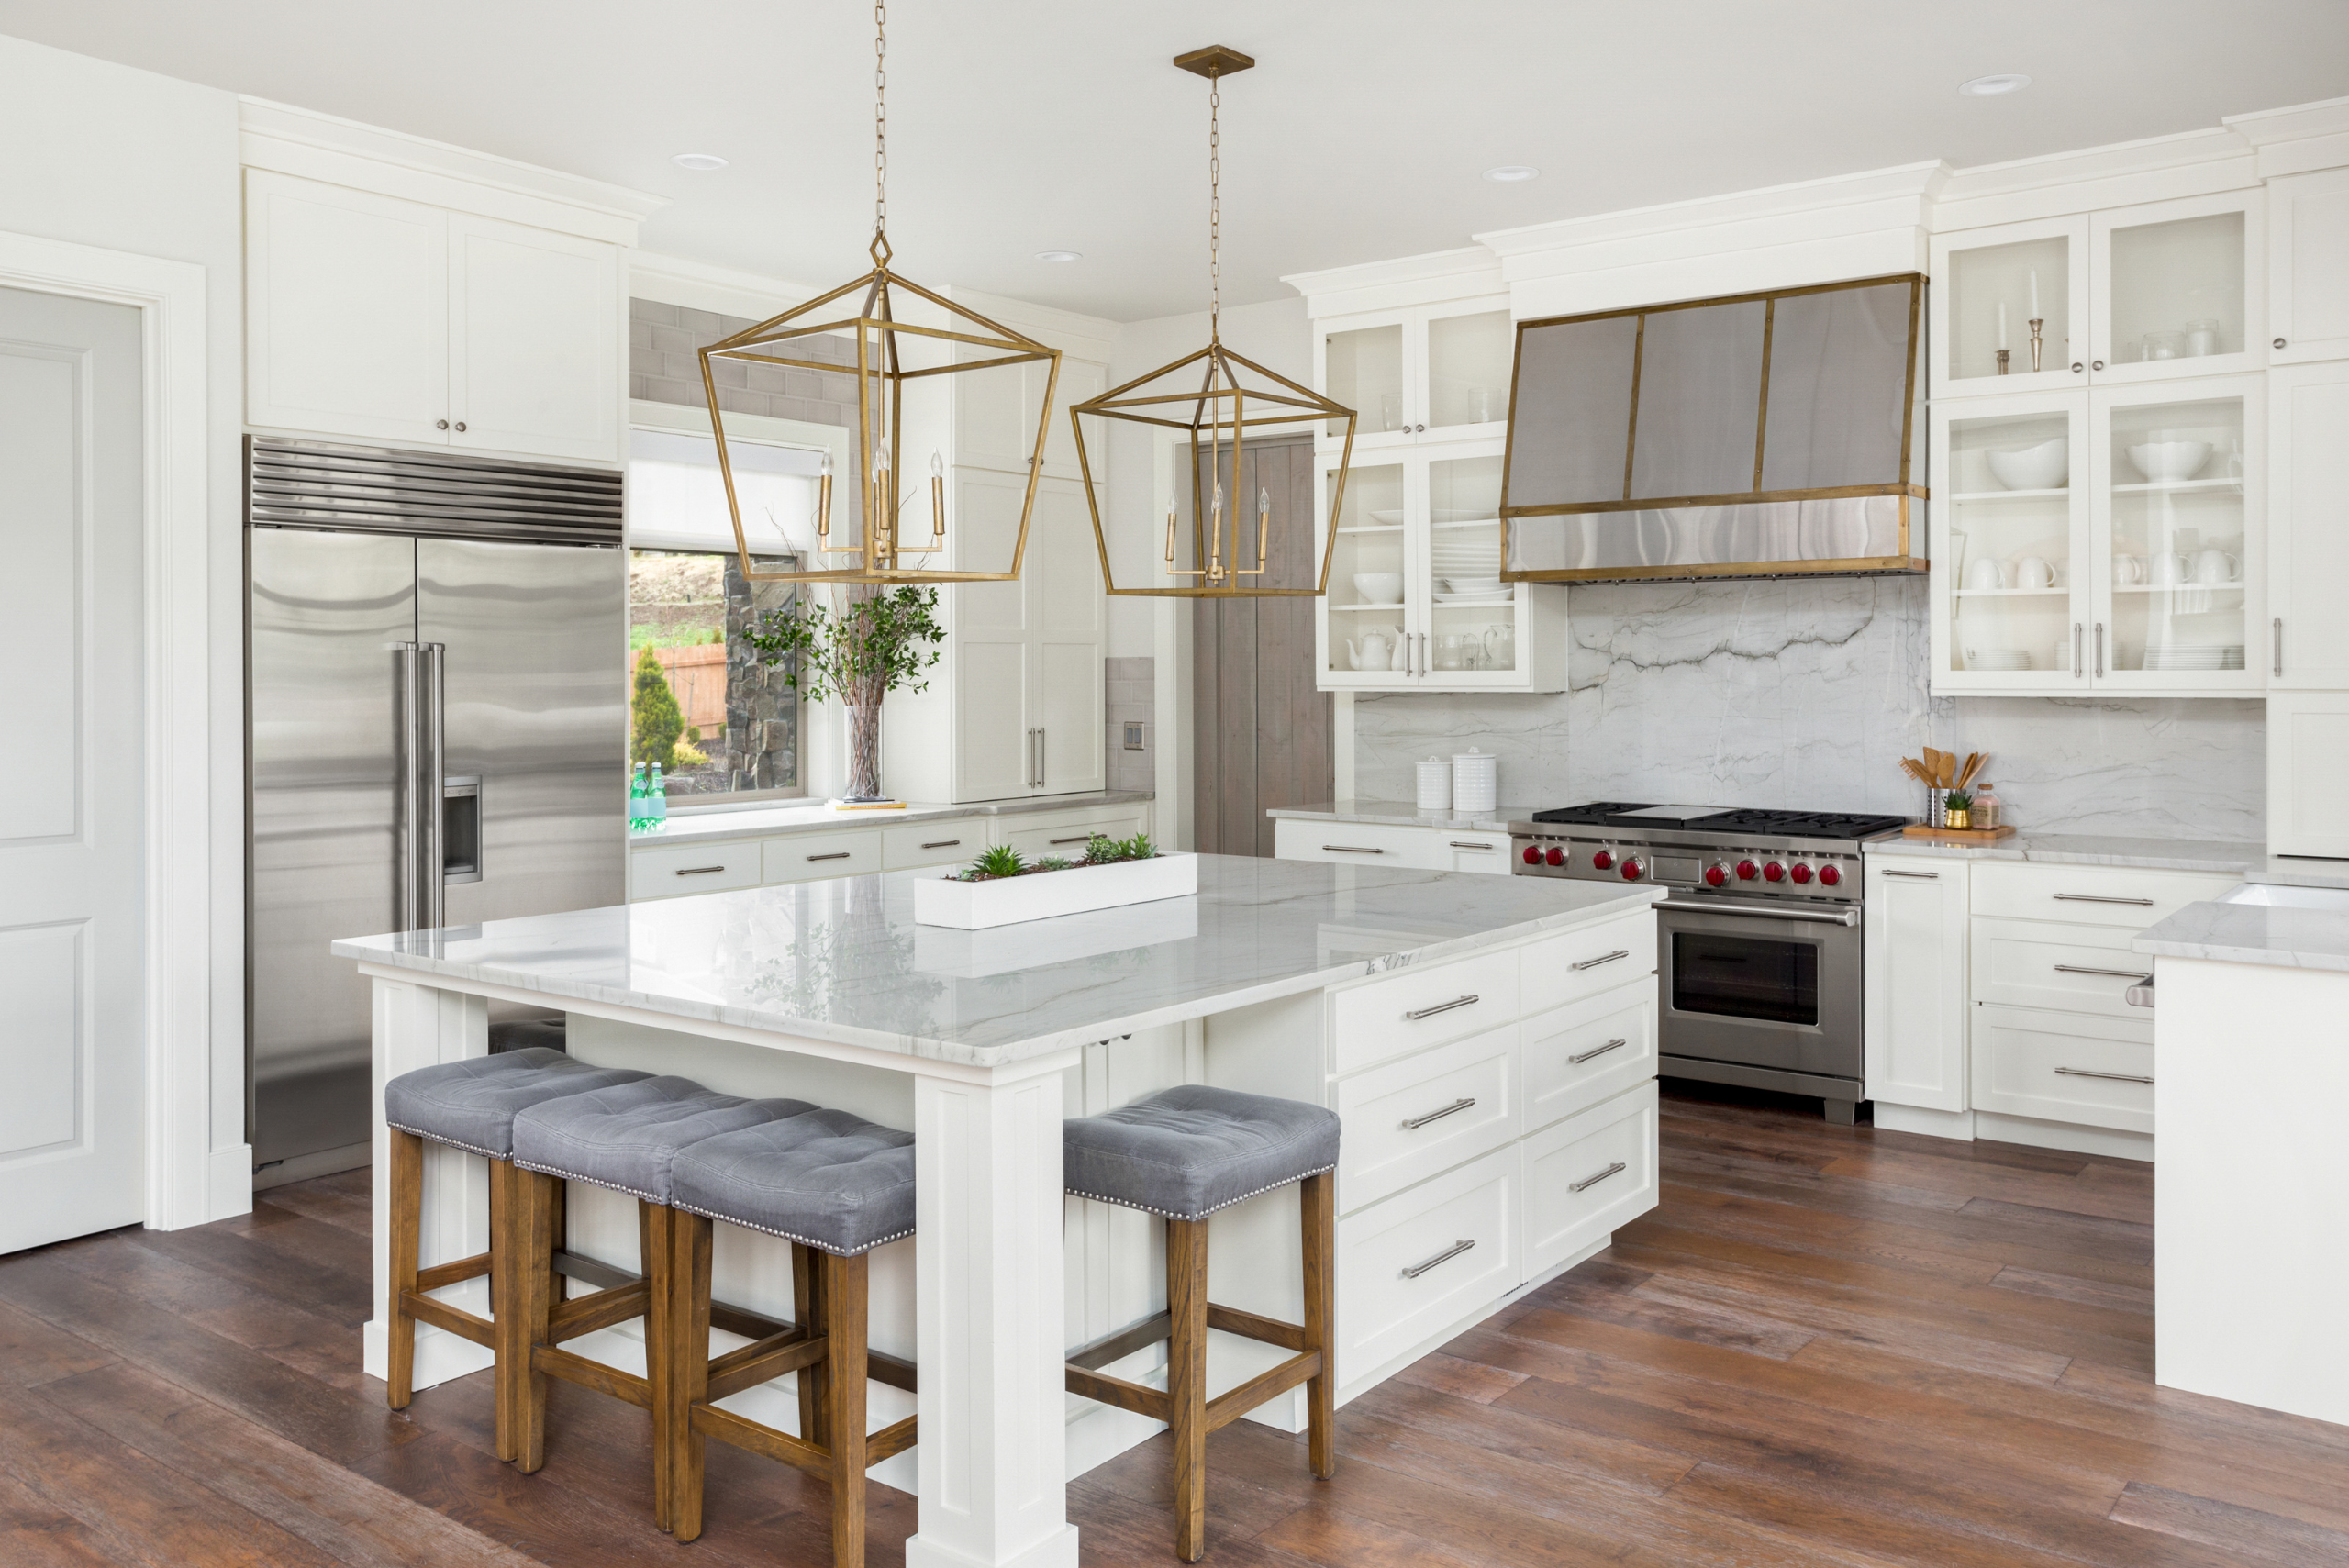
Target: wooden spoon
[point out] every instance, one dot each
(1973, 765)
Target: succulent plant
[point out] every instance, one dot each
(1001, 860)
(1052, 862)
(1959, 800)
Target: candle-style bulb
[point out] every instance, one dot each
(825, 467)
(1263, 501)
(880, 461)
(937, 466)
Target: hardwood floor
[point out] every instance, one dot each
(1829, 1345)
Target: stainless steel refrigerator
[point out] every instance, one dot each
(438, 727)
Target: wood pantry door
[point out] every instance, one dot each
(1261, 734)
(72, 952)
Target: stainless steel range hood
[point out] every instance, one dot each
(1759, 435)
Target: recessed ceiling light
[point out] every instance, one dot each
(698, 161)
(1509, 173)
(1059, 255)
(1995, 86)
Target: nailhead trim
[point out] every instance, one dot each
(453, 1144)
(1243, 1197)
(591, 1181)
(788, 1236)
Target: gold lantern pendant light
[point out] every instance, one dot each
(1220, 399)
(880, 543)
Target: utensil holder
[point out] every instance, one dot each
(1936, 811)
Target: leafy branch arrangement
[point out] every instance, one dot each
(1003, 860)
(875, 643)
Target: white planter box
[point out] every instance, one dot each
(943, 900)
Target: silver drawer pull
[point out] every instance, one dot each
(2100, 898)
(1617, 1169)
(835, 855)
(697, 870)
(1417, 1122)
(2116, 1077)
(1603, 958)
(1080, 839)
(1921, 875)
(1352, 850)
(2139, 976)
(941, 844)
(1443, 1257)
(1443, 1007)
(1614, 1044)
(1468, 844)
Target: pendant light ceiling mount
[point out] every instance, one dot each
(1220, 399)
(890, 357)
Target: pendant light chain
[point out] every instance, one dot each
(1214, 205)
(880, 117)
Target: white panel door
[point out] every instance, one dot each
(1067, 608)
(2308, 279)
(72, 953)
(346, 312)
(2307, 756)
(534, 356)
(1913, 1028)
(1080, 379)
(2306, 641)
(994, 753)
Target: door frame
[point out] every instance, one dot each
(194, 1073)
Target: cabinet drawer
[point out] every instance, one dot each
(1366, 844)
(1576, 1056)
(933, 843)
(676, 869)
(2090, 896)
(1408, 1119)
(2043, 964)
(1471, 852)
(1576, 964)
(1035, 837)
(805, 857)
(1414, 1007)
(2064, 1067)
(1410, 1268)
(1588, 1175)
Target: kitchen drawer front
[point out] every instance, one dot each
(1614, 1037)
(1588, 1175)
(1463, 1095)
(2064, 1067)
(2087, 894)
(2041, 964)
(805, 857)
(1576, 964)
(1063, 834)
(1384, 1307)
(1363, 844)
(1371, 1022)
(673, 869)
(950, 842)
(1483, 852)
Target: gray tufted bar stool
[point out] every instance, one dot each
(627, 1138)
(469, 1104)
(1182, 1153)
(835, 1186)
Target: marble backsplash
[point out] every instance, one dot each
(1805, 693)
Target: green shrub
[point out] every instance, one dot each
(1001, 860)
(656, 721)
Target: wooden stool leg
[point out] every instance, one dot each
(844, 1326)
(659, 1261)
(529, 1242)
(408, 1217)
(688, 1380)
(504, 1249)
(808, 1306)
(1318, 1195)
(558, 1288)
(1187, 1380)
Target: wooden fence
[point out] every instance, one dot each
(696, 675)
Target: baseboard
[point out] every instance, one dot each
(1924, 1120)
(2069, 1137)
(302, 1167)
(228, 1183)
(441, 1357)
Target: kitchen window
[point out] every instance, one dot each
(721, 723)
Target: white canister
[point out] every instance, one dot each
(1435, 784)
(1475, 781)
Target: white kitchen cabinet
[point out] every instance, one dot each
(2307, 642)
(377, 318)
(1916, 1001)
(1390, 844)
(1428, 372)
(2308, 279)
(2308, 757)
(996, 411)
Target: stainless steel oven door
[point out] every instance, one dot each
(1773, 987)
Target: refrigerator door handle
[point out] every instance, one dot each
(407, 809)
(431, 783)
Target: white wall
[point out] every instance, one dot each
(99, 154)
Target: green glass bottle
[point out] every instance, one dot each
(657, 802)
(636, 806)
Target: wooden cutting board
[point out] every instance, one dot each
(1963, 835)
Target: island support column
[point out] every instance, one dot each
(987, 1251)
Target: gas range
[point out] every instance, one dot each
(1805, 855)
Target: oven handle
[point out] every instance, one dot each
(1764, 911)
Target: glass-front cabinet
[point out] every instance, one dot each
(1432, 372)
(2108, 540)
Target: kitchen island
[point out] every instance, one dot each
(1521, 1010)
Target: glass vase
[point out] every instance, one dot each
(864, 751)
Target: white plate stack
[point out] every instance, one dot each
(1997, 658)
(1476, 783)
(1467, 568)
(2195, 656)
(1435, 784)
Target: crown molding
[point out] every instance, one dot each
(2296, 140)
(1400, 282)
(703, 286)
(1868, 198)
(2123, 174)
(1088, 337)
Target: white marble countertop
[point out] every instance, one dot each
(842, 960)
(2088, 850)
(1403, 814)
(2299, 870)
(2252, 933)
(796, 816)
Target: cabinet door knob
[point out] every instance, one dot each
(2279, 342)
(2077, 367)
(2095, 364)
(461, 424)
(439, 423)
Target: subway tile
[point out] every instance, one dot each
(768, 378)
(707, 325)
(639, 386)
(731, 372)
(734, 400)
(672, 340)
(829, 413)
(805, 385)
(659, 389)
(653, 312)
(839, 387)
(639, 336)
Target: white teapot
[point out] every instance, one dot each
(1376, 651)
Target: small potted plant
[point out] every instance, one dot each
(1000, 888)
(1958, 805)
(873, 642)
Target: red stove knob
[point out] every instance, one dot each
(1603, 860)
(1774, 872)
(1747, 870)
(1631, 869)
(1828, 876)
(1802, 873)
(1556, 856)
(1534, 854)
(1716, 874)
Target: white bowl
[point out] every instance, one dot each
(1379, 587)
(2042, 467)
(2162, 463)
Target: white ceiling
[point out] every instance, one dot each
(1018, 126)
